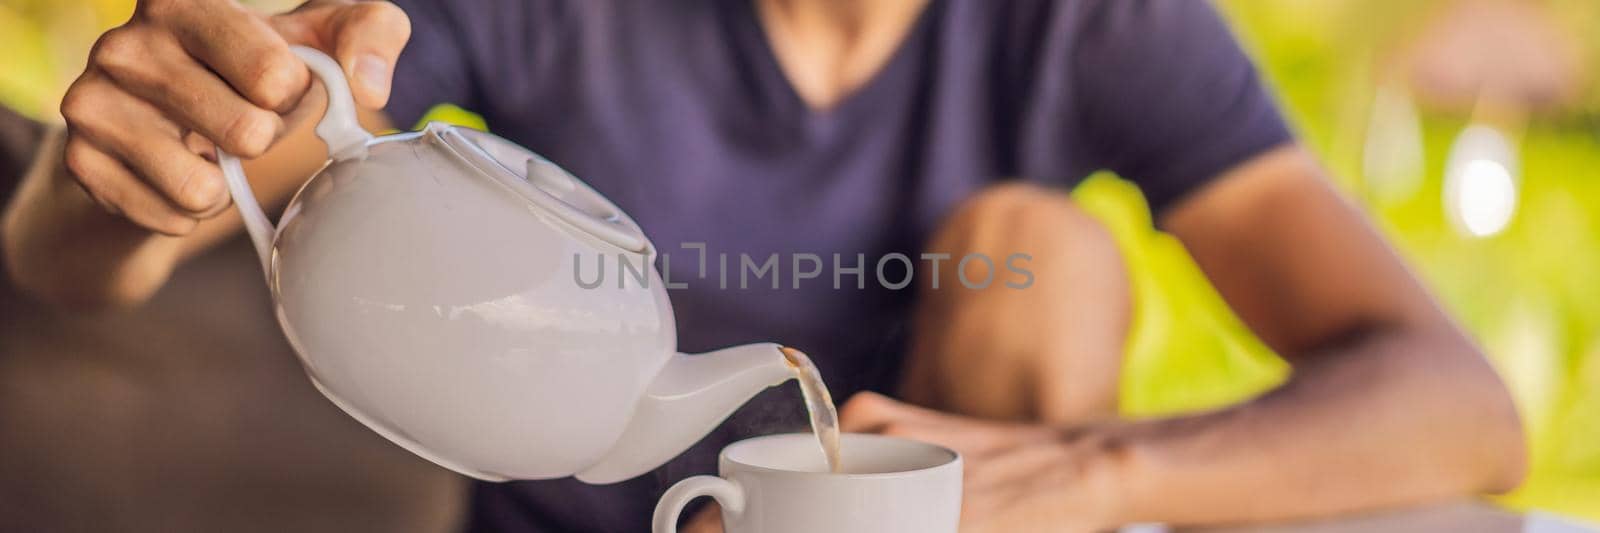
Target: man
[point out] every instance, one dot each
(803, 126)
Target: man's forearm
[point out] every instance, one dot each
(66, 250)
(1388, 419)
(19, 141)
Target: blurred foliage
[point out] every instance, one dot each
(1530, 294)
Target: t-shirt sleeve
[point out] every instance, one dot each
(437, 65)
(1168, 98)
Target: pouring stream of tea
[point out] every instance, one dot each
(824, 418)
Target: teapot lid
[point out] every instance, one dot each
(542, 183)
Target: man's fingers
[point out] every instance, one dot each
(240, 47)
(149, 144)
(188, 180)
(1018, 465)
(199, 145)
(364, 37)
(181, 73)
(973, 437)
(118, 190)
(869, 412)
(95, 173)
(866, 412)
(370, 37)
(707, 520)
(187, 92)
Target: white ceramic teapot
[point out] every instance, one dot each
(427, 281)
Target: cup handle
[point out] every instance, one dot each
(339, 128)
(671, 505)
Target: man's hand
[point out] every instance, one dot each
(1018, 478)
(183, 76)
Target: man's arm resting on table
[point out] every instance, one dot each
(65, 249)
(1389, 403)
(108, 212)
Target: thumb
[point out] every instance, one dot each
(365, 37)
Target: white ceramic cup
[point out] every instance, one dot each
(781, 484)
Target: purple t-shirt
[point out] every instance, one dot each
(679, 113)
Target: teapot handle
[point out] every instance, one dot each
(339, 129)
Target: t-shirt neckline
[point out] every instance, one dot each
(764, 60)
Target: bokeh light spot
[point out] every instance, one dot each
(1486, 198)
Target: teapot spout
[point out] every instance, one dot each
(690, 396)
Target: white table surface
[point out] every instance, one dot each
(1463, 517)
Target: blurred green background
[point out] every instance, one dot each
(1382, 90)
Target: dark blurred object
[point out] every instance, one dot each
(19, 137)
(189, 414)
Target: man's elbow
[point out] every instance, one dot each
(1494, 425)
(1507, 448)
(1476, 434)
